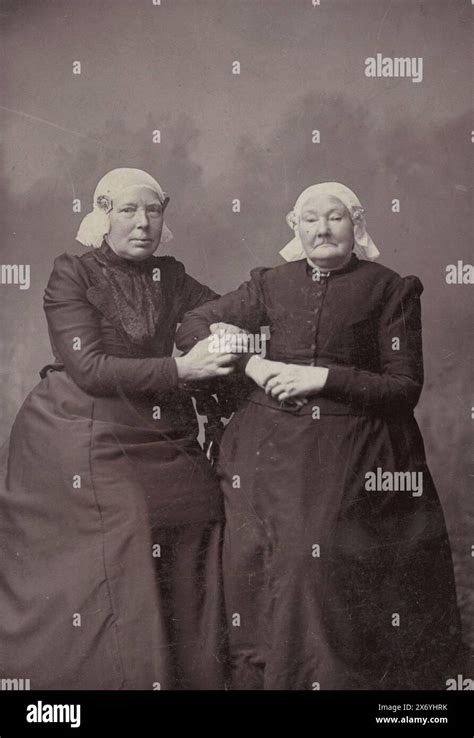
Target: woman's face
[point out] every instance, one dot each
(136, 222)
(326, 231)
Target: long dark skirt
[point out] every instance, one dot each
(329, 585)
(111, 535)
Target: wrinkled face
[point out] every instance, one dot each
(136, 222)
(326, 231)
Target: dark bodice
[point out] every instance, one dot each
(340, 319)
(87, 335)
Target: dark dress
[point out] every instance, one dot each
(111, 518)
(330, 585)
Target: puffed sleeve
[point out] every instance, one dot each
(244, 307)
(74, 327)
(398, 385)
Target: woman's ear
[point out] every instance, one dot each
(292, 220)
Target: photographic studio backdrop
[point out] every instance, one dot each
(250, 100)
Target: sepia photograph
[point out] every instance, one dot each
(236, 284)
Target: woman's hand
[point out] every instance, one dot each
(296, 381)
(261, 370)
(203, 363)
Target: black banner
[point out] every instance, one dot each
(151, 713)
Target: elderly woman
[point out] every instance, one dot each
(111, 520)
(337, 565)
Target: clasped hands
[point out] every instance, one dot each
(283, 381)
(286, 381)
